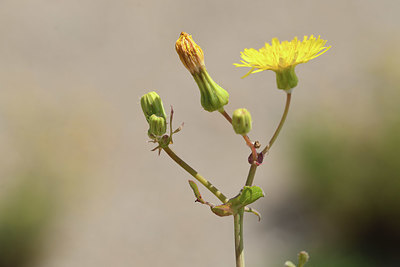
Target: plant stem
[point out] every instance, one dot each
(196, 175)
(245, 137)
(238, 218)
(253, 168)
(238, 228)
(250, 176)
(281, 123)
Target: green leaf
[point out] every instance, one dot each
(254, 211)
(224, 209)
(247, 195)
(196, 192)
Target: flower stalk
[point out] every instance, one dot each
(281, 123)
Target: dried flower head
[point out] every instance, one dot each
(190, 53)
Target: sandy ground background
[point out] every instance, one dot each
(71, 76)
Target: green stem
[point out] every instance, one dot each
(253, 168)
(250, 176)
(238, 228)
(281, 123)
(196, 175)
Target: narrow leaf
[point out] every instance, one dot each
(196, 192)
(254, 211)
(223, 210)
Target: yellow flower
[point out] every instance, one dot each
(282, 58)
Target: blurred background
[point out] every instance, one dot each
(80, 187)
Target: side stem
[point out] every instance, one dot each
(196, 175)
(281, 123)
(253, 167)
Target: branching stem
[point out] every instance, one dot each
(238, 218)
(196, 175)
(253, 167)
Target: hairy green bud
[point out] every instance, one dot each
(303, 258)
(213, 96)
(151, 104)
(157, 125)
(241, 121)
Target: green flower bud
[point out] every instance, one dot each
(303, 258)
(213, 96)
(157, 125)
(241, 121)
(286, 79)
(151, 104)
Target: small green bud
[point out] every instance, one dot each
(241, 121)
(213, 96)
(157, 125)
(151, 104)
(286, 79)
(303, 258)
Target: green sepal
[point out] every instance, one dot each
(286, 79)
(164, 141)
(213, 96)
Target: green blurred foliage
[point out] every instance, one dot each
(52, 141)
(348, 173)
(25, 214)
